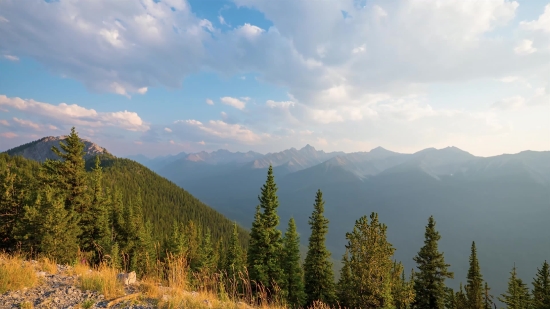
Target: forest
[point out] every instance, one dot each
(115, 212)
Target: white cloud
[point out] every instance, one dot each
(168, 130)
(209, 102)
(26, 123)
(4, 122)
(525, 47)
(542, 23)
(11, 57)
(236, 103)
(217, 130)
(142, 90)
(76, 115)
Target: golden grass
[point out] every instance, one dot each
(16, 274)
(26, 305)
(103, 280)
(48, 265)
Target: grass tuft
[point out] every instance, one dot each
(16, 274)
(48, 265)
(103, 280)
(26, 305)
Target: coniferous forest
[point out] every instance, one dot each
(114, 211)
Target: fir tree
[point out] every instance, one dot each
(370, 266)
(344, 287)
(474, 287)
(541, 288)
(429, 282)
(233, 259)
(94, 222)
(266, 243)
(517, 295)
(461, 301)
(487, 298)
(12, 198)
(57, 228)
(206, 258)
(69, 173)
(177, 242)
(402, 290)
(318, 273)
(294, 276)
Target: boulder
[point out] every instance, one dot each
(127, 278)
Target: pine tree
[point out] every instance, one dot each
(461, 301)
(265, 240)
(69, 174)
(541, 288)
(12, 198)
(94, 222)
(207, 258)
(57, 228)
(370, 266)
(318, 273)
(487, 298)
(517, 295)
(294, 276)
(429, 284)
(233, 259)
(474, 287)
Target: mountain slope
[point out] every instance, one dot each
(40, 150)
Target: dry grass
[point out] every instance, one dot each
(48, 265)
(26, 305)
(16, 274)
(103, 280)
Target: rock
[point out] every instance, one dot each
(41, 274)
(127, 278)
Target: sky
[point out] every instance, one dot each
(162, 77)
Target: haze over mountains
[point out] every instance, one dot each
(501, 202)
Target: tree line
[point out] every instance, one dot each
(60, 210)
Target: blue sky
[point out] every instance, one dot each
(160, 77)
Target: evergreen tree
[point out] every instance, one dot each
(318, 273)
(57, 228)
(12, 198)
(370, 266)
(177, 242)
(94, 223)
(450, 298)
(402, 290)
(461, 300)
(294, 276)
(266, 243)
(207, 259)
(69, 173)
(474, 287)
(541, 288)
(429, 282)
(233, 258)
(517, 295)
(344, 291)
(487, 298)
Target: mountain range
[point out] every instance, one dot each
(500, 202)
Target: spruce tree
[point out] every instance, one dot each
(265, 240)
(206, 259)
(541, 288)
(177, 242)
(429, 282)
(318, 273)
(57, 228)
(233, 258)
(94, 222)
(370, 266)
(294, 276)
(461, 301)
(487, 298)
(344, 287)
(474, 286)
(12, 199)
(69, 174)
(517, 295)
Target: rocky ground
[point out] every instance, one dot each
(60, 291)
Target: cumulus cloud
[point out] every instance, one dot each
(72, 114)
(515, 102)
(4, 122)
(542, 23)
(234, 102)
(525, 47)
(209, 102)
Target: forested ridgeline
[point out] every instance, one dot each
(114, 214)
